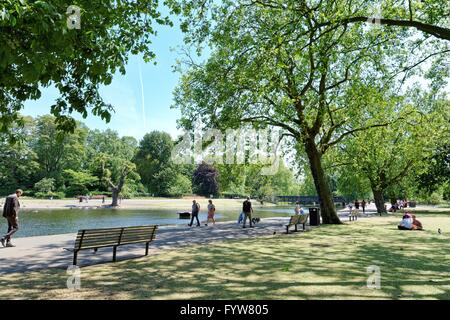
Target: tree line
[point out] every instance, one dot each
(49, 163)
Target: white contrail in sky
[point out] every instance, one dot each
(142, 97)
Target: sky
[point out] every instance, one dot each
(137, 111)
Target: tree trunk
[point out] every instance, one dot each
(326, 201)
(115, 197)
(379, 199)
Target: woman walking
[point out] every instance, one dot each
(211, 212)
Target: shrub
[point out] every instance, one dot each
(48, 195)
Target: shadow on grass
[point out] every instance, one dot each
(327, 263)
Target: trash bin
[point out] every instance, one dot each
(314, 216)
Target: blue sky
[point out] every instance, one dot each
(125, 94)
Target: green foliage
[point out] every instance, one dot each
(45, 185)
(153, 162)
(181, 185)
(50, 195)
(78, 182)
(38, 49)
(55, 150)
(205, 180)
(18, 162)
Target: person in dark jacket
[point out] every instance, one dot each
(194, 213)
(11, 213)
(248, 210)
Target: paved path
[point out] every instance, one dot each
(35, 253)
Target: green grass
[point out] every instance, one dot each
(329, 262)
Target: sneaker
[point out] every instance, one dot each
(9, 245)
(206, 224)
(2, 240)
(244, 227)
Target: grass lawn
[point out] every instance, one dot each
(329, 262)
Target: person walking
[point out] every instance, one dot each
(211, 211)
(357, 204)
(363, 205)
(248, 210)
(11, 213)
(194, 214)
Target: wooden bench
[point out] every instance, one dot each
(112, 237)
(353, 215)
(296, 220)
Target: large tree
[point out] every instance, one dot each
(205, 180)
(111, 161)
(264, 70)
(154, 164)
(40, 49)
(431, 17)
(57, 150)
(388, 156)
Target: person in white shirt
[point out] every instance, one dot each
(298, 209)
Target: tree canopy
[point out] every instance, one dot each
(39, 49)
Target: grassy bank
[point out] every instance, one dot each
(327, 262)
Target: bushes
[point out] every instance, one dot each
(48, 195)
(182, 185)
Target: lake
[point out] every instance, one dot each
(56, 221)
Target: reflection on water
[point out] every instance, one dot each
(48, 222)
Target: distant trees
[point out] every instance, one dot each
(205, 180)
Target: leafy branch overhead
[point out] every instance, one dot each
(39, 50)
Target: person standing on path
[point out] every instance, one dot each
(11, 213)
(194, 214)
(363, 205)
(248, 210)
(211, 211)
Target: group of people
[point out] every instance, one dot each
(196, 210)
(246, 213)
(357, 205)
(409, 222)
(398, 205)
(12, 206)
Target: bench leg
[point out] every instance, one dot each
(287, 229)
(75, 255)
(304, 227)
(114, 253)
(296, 230)
(146, 248)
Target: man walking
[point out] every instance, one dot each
(194, 214)
(248, 210)
(363, 205)
(11, 213)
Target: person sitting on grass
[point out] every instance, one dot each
(409, 222)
